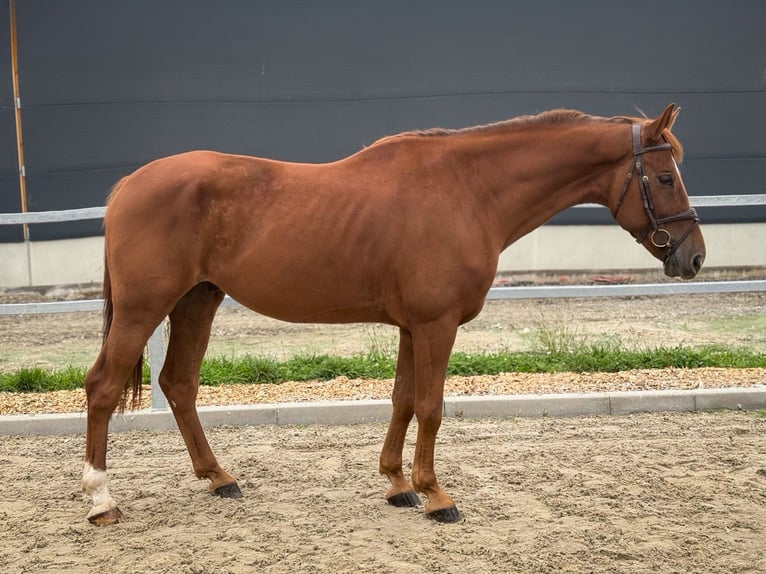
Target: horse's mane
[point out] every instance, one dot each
(677, 148)
(551, 117)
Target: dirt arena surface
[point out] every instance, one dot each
(649, 493)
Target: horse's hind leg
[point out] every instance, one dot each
(190, 323)
(104, 386)
(401, 492)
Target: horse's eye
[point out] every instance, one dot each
(665, 179)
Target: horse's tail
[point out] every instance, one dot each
(133, 382)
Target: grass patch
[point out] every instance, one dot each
(250, 369)
(557, 355)
(37, 380)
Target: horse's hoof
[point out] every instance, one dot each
(447, 515)
(404, 500)
(229, 491)
(111, 516)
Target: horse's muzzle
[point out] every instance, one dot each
(684, 264)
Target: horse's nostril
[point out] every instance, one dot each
(697, 263)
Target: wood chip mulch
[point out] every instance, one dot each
(343, 388)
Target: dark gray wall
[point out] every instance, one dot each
(108, 86)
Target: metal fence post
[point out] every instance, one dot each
(156, 360)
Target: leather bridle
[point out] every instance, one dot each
(659, 236)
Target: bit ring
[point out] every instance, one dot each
(660, 244)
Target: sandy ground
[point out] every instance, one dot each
(650, 493)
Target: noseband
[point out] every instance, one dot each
(659, 236)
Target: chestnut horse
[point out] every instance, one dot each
(406, 232)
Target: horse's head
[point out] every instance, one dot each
(652, 203)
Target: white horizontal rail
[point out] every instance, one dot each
(52, 216)
(728, 200)
(625, 290)
(51, 307)
(744, 200)
(521, 292)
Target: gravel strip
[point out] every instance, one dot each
(343, 388)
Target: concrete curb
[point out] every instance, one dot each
(362, 411)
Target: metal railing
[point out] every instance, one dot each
(156, 343)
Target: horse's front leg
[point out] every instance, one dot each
(432, 344)
(401, 492)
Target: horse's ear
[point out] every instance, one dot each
(661, 123)
(674, 116)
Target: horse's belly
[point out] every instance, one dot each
(307, 302)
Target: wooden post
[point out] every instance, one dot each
(19, 139)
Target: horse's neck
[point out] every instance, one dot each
(530, 175)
